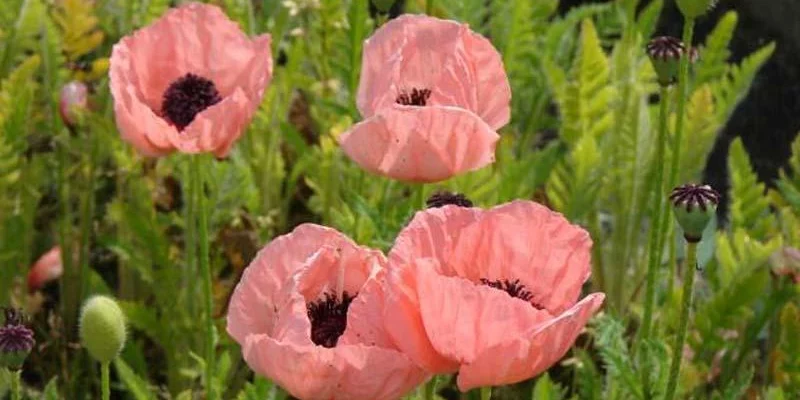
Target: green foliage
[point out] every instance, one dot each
(789, 180)
(749, 207)
(616, 357)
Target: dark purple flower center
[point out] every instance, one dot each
(514, 288)
(14, 335)
(417, 97)
(441, 199)
(328, 317)
(186, 97)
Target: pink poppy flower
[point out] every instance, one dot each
(432, 93)
(307, 314)
(189, 82)
(46, 269)
(492, 294)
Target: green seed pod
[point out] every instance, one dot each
(665, 53)
(694, 207)
(102, 328)
(692, 9)
(383, 5)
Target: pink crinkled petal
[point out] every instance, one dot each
(421, 144)
(521, 358)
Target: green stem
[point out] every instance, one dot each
(683, 323)
(205, 272)
(16, 385)
(190, 230)
(105, 381)
(683, 91)
(429, 7)
(654, 258)
(486, 393)
(429, 390)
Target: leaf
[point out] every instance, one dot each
(789, 178)
(715, 53)
(78, 25)
(732, 88)
(610, 337)
(546, 389)
(702, 126)
(50, 391)
(749, 206)
(260, 389)
(137, 386)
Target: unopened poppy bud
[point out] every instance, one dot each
(383, 5)
(665, 53)
(694, 207)
(102, 328)
(16, 340)
(73, 99)
(692, 9)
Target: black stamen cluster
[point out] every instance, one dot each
(328, 317)
(418, 97)
(691, 196)
(441, 199)
(186, 97)
(514, 288)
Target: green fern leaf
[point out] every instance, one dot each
(713, 63)
(789, 179)
(78, 25)
(703, 126)
(749, 205)
(731, 89)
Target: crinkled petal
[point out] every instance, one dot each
(521, 358)
(460, 67)
(521, 240)
(403, 319)
(321, 274)
(463, 319)
(216, 128)
(196, 38)
(353, 372)
(257, 296)
(421, 144)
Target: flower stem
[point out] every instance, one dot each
(16, 385)
(205, 272)
(105, 381)
(429, 7)
(683, 323)
(683, 92)
(654, 255)
(429, 390)
(486, 393)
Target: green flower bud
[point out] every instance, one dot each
(383, 5)
(102, 328)
(692, 9)
(694, 207)
(665, 53)
(16, 340)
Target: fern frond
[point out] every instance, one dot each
(474, 13)
(78, 25)
(713, 62)
(702, 126)
(749, 206)
(731, 89)
(610, 338)
(789, 179)
(22, 34)
(585, 101)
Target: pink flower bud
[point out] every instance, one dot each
(74, 97)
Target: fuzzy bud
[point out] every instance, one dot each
(73, 99)
(102, 328)
(16, 340)
(786, 262)
(692, 9)
(665, 53)
(694, 206)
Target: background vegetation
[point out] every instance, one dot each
(581, 140)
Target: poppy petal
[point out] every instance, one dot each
(521, 358)
(421, 144)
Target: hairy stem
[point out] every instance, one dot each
(16, 385)
(655, 231)
(486, 393)
(105, 381)
(683, 322)
(205, 272)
